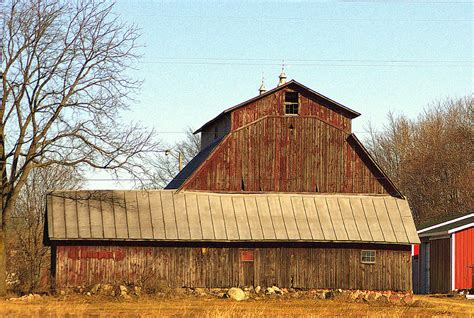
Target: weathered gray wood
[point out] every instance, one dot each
(108, 215)
(289, 218)
(166, 215)
(242, 220)
(195, 227)
(336, 217)
(300, 217)
(57, 212)
(349, 221)
(265, 218)
(253, 218)
(49, 203)
(229, 218)
(313, 218)
(206, 218)
(396, 220)
(131, 209)
(96, 223)
(372, 220)
(121, 223)
(407, 220)
(277, 217)
(217, 217)
(360, 219)
(169, 217)
(181, 216)
(177, 266)
(325, 218)
(70, 216)
(384, 220)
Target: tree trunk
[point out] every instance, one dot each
(3, 263)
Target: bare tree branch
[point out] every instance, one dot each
(431, 159)
(64, 86)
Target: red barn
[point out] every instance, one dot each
(282, 192)
(446, 256)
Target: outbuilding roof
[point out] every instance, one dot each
(448, 226)
(167, 215)
(192, 165)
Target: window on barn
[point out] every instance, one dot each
(291, 103)
(367, 257)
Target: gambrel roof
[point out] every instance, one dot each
(338, 106)
(166, 215)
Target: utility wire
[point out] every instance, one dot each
(302, 64)
(253, 18)
(213, 58)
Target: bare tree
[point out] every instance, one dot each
(64, 86)
(166, 165)
(431, 159)
(28, 257)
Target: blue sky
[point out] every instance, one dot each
(201, 57)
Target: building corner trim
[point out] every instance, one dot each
(453, 261)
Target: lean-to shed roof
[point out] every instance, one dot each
(449, 226)
(167, 215)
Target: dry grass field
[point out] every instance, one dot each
(82, 306)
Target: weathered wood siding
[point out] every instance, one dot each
(288, 154)
(215, 130)
(440, 265)
(299, 267)
(273, 105)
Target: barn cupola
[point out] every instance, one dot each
(262, 88)
(282, 76)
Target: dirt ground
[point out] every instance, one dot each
(83, 306)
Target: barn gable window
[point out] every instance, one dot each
(291, 103)
(367, 257)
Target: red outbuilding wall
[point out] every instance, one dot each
(464, 254)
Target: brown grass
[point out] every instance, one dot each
(81, 306)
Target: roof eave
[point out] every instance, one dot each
(223, 241)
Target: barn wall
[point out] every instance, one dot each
(299, 267)
(464, 250)
(440, 265)
(288, 154)
(214, 131)
(273, 105)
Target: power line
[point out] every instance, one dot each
(228, 63)
(297, 18)
(307, 60)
